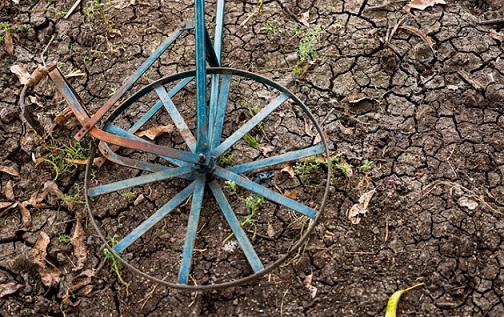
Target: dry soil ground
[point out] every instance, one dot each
(428, 120)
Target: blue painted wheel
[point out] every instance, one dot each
(246, 208)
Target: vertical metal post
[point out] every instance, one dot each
(215, 84)
(219, 30)
(201, 96)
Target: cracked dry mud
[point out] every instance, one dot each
(432, 125)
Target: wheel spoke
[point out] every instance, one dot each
(278, 159)
(155, 218)
(255, 120)
(220, 111)
(176, 117)
(237, 229)
(120, 132)
(192, 228)
(140, 180)
(159, 104)
(126, 161)
(265, 192)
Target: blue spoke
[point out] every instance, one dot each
(120, 132)
(266, 193)
(177, 118)
(159, 104)
(140, 180)
(155, 218)
(255, 120)
(192, 229)
(278, 159)
(220, 111)
(238, 231)
(126, 161)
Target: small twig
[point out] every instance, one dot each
(494, 21)
(45, 50)
(72, 9)
(386, 229)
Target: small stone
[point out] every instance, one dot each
(140, 199)
(468, 203)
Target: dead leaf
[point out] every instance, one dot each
(354, 215)
(356, 97)
(38, 74)
(75, 73)
(50, 276)
(6, 204)
(9, 170)
(305, 16)
(308, 283)
(421, 4)
(265, 149)
(156, 131)
(345, 130)
(140, 199)
(25, 213)
(35, 100)
(22, 74)
(78, 242)
(9, 43)
(270, 231)
(291, 194)
(290, 170)
(421, 34)
(497, 35)
(121, 4)
(9, 288)
(308, 127)
(80, 287)
(9, 190)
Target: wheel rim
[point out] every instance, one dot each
(210, 180)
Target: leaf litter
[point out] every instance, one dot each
(359, 209)
(393, 301)
(421, 4)
(50, 275)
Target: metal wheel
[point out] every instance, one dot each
(235, 216)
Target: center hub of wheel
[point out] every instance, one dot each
(204, 168)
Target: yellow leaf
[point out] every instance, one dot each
(393, 301)
(156, 131)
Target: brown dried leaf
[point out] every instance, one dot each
(308, 284)
(291, 194)
(25, 213)
(9, 288)
(265, 149)
(9, 43)
(308, 127)
(50, 276)
(290, 170)
(356, 97)
(9, 190)
(422, 4)
(345, 130)
(9, 170)
(305, 16)
(38, 74)
(270, 231)
(50, 187)
(6, 204)
(354, 215)
(80, 287)
(156, 131)
(497, 35)
(78, 242)
(22, 74)
(421, 34)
